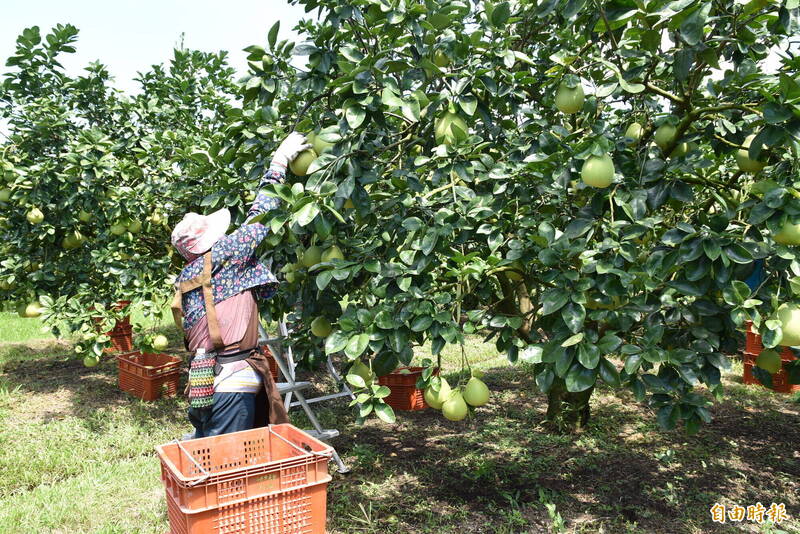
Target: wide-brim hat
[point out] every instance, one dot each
(196, 233)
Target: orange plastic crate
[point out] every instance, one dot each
(269, 480)
(121, 338)
(147, 375)
(404, 392)
(780, 380)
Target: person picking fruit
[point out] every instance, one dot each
(230, 385)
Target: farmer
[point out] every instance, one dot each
(230, 385)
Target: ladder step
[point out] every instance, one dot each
(325, 435)
(286, 387)
(323, 398)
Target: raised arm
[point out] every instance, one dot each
(287, 151)
(241, 244)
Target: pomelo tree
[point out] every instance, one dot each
(454, 188)
(92, 179)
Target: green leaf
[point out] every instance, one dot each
(390, 99)
(421, 323)
(382, 392)
(574, 315)
(588, 355)
(469, 104)
(385, 320)
(272, 36)
(385, 412)
(553, 300)
(579, 378)
(501, 14)
(632, 363)
(323, 279)
(306, 214)
(692, 27)
(357, 345)
(573, 340)
(356, 380)
(336, 342)
(609, 343)
(609, 373)
(544, 380)
(355, 115)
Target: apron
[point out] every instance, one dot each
(269, 405)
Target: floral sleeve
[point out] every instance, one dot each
(240, 245)
(264, 203)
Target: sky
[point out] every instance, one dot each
(129, 36)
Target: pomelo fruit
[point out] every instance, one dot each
(789, 316)
(160, 342)
(680, 150)
(333, 253)
(312, 256)
(84, 216)
(789, 234)
(35, 216)
(91, 361)
(450, 128)
(476, 393)
(320, 327)
(598, 171)
(769, 360)
(320, 145)
(440, 59)
(634, 133)
(743, 157)
(299, 166)
(134, 226)
(34, 309)
(569, 99)
(664, 135)
(72, 240)
(5, 195)
(454, 408)
(362, 370)
(117, 228)
(434, 398)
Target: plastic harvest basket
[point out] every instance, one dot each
(780, 380)
(145, 375)
(404, 392)
(267, 480)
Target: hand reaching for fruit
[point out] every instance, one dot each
(288, 150)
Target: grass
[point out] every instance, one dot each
(77, 456)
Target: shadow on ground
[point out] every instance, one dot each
(495, 473)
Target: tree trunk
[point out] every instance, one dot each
(567, 411)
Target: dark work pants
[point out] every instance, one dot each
(231, 412)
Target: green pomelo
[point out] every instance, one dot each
(454, 408)
(598, 171)
(299, 166)
(320, 327)
(569, 99)
(476, 393)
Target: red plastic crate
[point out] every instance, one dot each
(404, 392)
(147, 375)
(121, 338)
(780, 380)
(269, 480)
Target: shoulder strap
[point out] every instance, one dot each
(204, 281)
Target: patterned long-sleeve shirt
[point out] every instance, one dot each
(234, 265)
